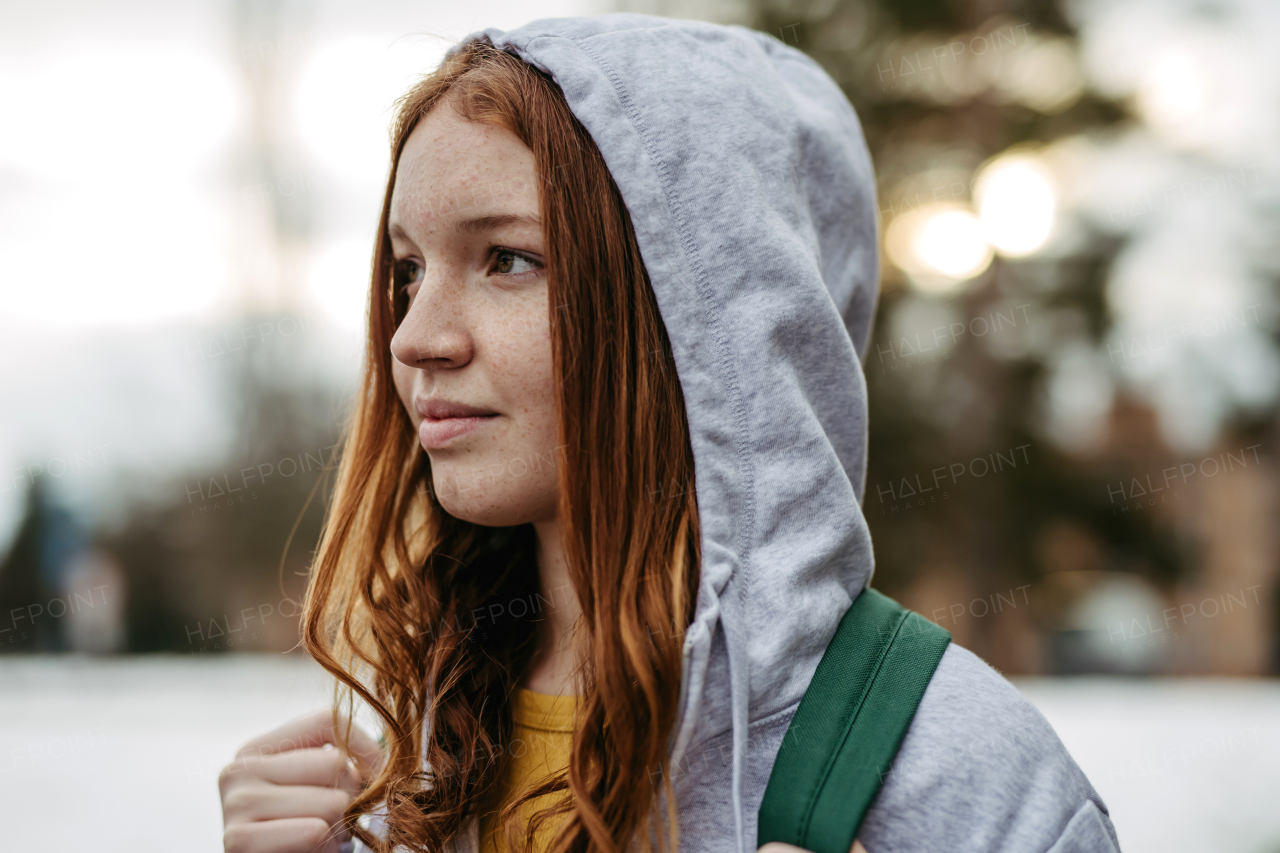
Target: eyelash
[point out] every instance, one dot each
(499, 250)
(494, 252)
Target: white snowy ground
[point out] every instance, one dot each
(122, 756)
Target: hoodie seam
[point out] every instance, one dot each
(581, 41)
(732, 385)
(712, 324)
(701, 289)
(778, 713)
(758, 721)
(700, 282)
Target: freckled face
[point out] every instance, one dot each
(469, 256)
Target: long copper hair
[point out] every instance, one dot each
(394, 584)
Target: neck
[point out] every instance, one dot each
(554, 657)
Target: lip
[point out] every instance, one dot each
(438, 408)
(445, 420)
(437, 433)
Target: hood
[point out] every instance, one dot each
(749, 184)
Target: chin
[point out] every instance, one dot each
(482, 513)
(476, 500)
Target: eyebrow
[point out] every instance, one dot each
(489, 223)
(480, 224)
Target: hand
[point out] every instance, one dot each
(779, 847)
(287, 789)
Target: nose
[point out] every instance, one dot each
(435, 333)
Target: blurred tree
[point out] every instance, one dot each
(968, 489)
(31, 603)
(21, 584)
(205, 556)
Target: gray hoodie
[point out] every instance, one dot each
(745, 172)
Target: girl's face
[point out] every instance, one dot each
(467, 241)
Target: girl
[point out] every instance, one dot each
(599, 510)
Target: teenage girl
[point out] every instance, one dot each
(598, 513)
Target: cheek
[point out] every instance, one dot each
(530, 361)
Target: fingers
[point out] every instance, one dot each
(365, 750)
(286, 791)
(323, 768)
(262, 801)
(292, 835)
(315, 730)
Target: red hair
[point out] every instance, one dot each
(396, 578)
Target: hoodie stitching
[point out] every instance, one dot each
(712, 324)
(522, 50)
(737, 407)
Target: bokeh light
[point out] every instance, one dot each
(117, 146)
(90, 113)
(938, 246)
(345, 97)
(1046, 76)
(1016, 202)
(1174, 89)
(338, 281)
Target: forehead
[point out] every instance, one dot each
(451, 167)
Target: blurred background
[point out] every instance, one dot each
(1074, 379)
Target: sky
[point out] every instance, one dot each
(138, 223)
(136, 230)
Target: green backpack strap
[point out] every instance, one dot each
(849, 725)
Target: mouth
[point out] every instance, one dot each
(438, 408)
(443, 420)
(436, 433)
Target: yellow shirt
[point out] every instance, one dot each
(540, 745)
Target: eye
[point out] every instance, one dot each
(507, 261)
(407, 272)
